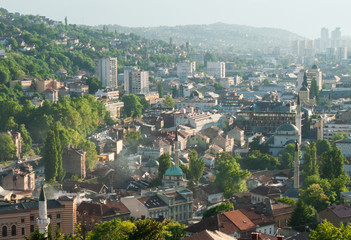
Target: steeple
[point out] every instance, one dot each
(296, 166)
(176, 148)
(305, 83)
(298, 118)
(43, 221)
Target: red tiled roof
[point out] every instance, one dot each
(240, 220)
(209, 235)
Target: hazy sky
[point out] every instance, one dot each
(304, 17)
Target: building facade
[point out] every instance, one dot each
(106, 71)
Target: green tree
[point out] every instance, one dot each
(230, 177)
(303, 216)
(257, 160)
(36, 235)
(26, 140)
(7, 147)
(315, 196)
(323, 145)
(327, 231)
(165, 162)
(144, 103)
(94, 84)
(148, 229)
(256, 145)
(287, 200)
(310, 166)
(132, 106)
(223, 207)
(266, 81)
(339, 136)
(287, 156)
(197, 166)
(314, 90)
(133, 137)
(50, 157)
(218, 86)
(174, 230)
(160, 89)
(113, 230)
(332, 164)
(168, 102)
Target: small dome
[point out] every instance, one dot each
(152, 163)
(304, 88)
(174, 171)
(287, 127)
(314, 66)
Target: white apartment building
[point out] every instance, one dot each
(333, 128)
(216, 69)
(136, 81)
(186, 69)
(345, 146)
(198, 104)
(106, 71)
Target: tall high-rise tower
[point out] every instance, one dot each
(296, 167)
(324, 44)
(43, 221)
(298, 118)
(106, 71)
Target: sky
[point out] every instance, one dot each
(304, 17)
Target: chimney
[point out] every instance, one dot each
(254, 236)
(280, 237)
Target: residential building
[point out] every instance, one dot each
(174, 203)
(19, 179)
(261, 193)
(108, 93)
(345, 146)
(73, 161)
(233, 223)
(331, 128)
(136, 81)
(337, 215)
(17, 140)
(106, 71)
(90, 213)
(206, 104)
(238, 135)
(216, 69)
(185, 69)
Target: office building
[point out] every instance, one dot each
(186, 69)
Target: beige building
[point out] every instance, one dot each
(73, 161)
(19, 180)
(176, 204)
(19, 220)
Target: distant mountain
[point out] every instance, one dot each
(217, 36)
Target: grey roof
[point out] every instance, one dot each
(346, 140)
(287, 127)
(27, 205)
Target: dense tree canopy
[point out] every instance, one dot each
(230, 177)
(223, 207)
(7, 147)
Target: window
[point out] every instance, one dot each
(31, 228)
(58, 225)
(22, 220)
(23, 231)
(58, 216)
(4, 231)
(13, 230)
(32, 218)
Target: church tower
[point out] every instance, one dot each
(296, 166)
(43, 221)
(298, 117)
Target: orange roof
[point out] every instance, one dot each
(240, 220)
